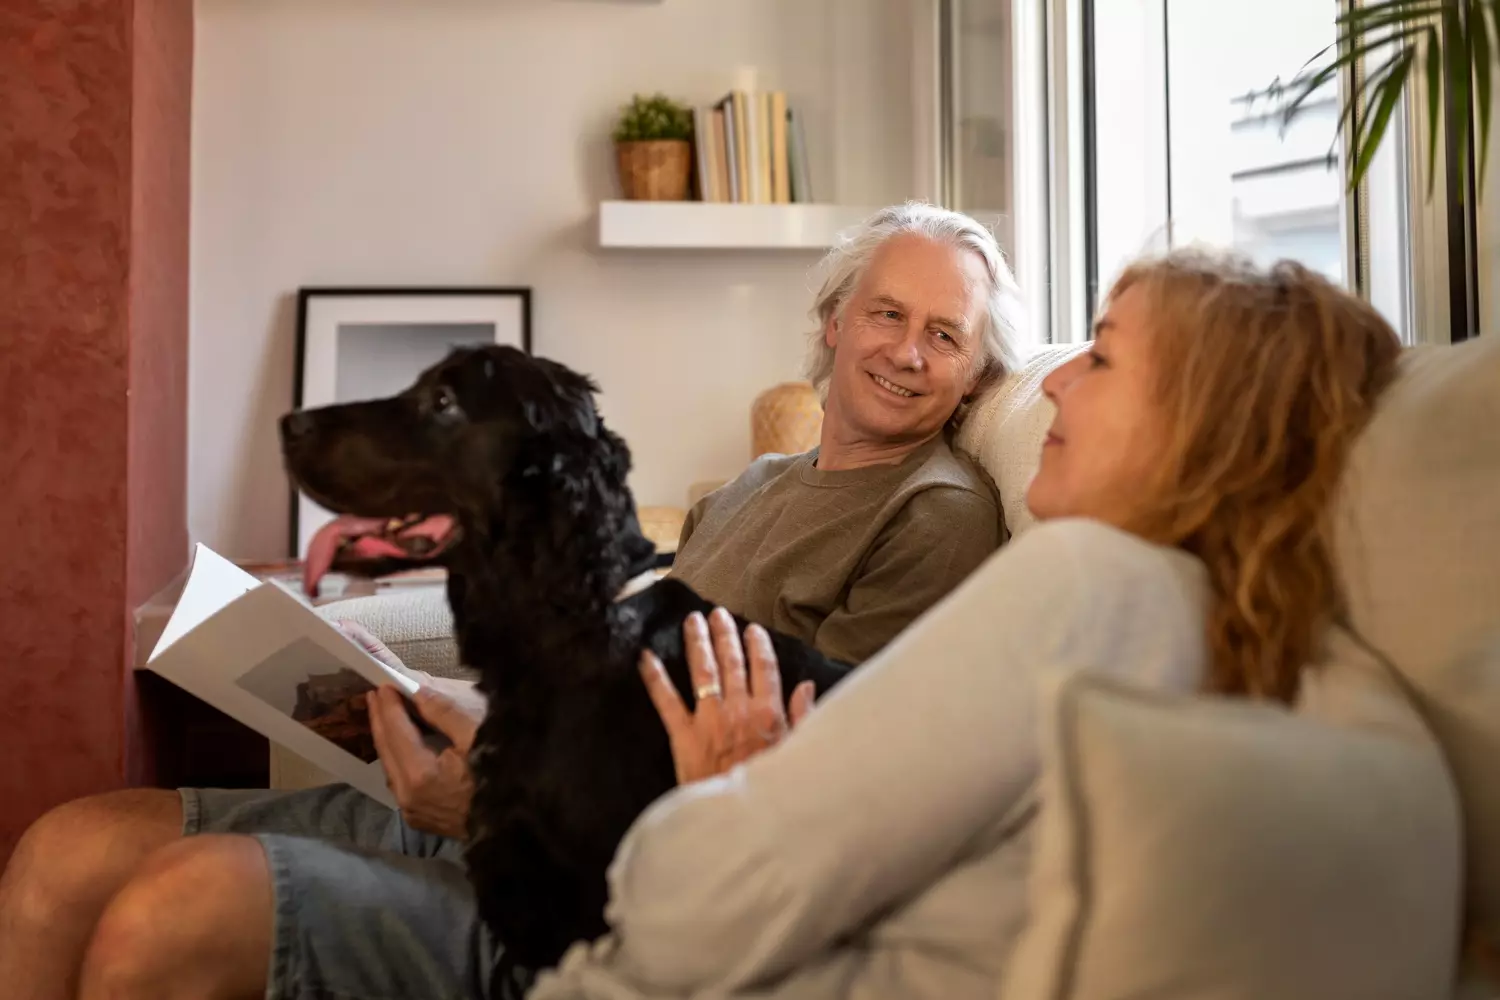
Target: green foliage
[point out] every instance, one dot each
(1451, 42)
(654, 117)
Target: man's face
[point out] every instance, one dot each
(905, 343)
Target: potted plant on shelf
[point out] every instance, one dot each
(654, 149)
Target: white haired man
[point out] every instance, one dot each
(846, 545)
(210, 893)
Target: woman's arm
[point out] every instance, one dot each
(734, 880)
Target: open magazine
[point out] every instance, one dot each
(257, 652)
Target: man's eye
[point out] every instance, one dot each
(944, 335)
(1097, 360)
(890, 314)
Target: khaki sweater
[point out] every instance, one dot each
(841, 560)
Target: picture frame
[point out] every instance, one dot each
(366, 342)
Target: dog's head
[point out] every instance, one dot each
(471, 427)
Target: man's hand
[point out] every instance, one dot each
(432, 789)
(366, 639)
(462, 692)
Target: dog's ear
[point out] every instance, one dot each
(616, 454)
(583, 412)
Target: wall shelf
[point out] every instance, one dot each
(698, 225)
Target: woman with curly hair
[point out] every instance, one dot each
(1184, 496)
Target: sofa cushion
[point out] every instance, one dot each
(1418, 551)
(1005, 429)
(414, 622)
(1204, 848)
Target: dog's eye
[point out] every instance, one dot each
(445, 401)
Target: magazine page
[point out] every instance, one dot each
(258, 653)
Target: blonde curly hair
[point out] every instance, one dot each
(1268, 376)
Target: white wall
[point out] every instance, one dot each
(466, 142)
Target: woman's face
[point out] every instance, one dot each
(1109, 425)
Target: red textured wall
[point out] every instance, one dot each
(94, 147)
(157, 542)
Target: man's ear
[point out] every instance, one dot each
(976, 377)
(831, 329)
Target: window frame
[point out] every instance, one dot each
(1441, 288)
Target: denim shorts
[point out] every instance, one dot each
(367, 908)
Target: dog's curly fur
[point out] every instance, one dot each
(571, 750)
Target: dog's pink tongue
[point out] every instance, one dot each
(324, 547)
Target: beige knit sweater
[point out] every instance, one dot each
(881, 851)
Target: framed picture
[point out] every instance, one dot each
(365, 343)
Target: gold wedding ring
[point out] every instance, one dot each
(703, 691)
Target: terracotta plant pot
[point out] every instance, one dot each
(655, 169)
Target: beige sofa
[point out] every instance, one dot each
(1196, 848)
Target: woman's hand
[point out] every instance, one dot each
(433, 789)
(735, 718)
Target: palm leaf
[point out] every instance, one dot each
(1453, 42)
(1411, 16)
(1351, 106)
(1367, 93)
(1308, 86)
(1369, 130)
(1356, 32)
(1360, 47)
(1396, 8)
(1479, 58)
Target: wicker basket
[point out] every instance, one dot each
(786, 419)
(655, 169)
(662, 525)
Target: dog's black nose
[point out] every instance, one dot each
(296, 425)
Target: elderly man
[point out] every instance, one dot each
(224, 893)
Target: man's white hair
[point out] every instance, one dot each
(1000, 338)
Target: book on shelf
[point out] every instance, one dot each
(719, 158)
(801, 184)
(781, 192)
(701, 168)
(751, 148)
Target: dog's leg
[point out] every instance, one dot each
(535, 901)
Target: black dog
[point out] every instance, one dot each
(571, 751)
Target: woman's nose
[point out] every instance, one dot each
(1059, 379)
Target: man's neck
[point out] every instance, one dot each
(840, 451)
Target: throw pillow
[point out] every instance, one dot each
(1197, 848)
(1418, 551)
(1005, 429)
